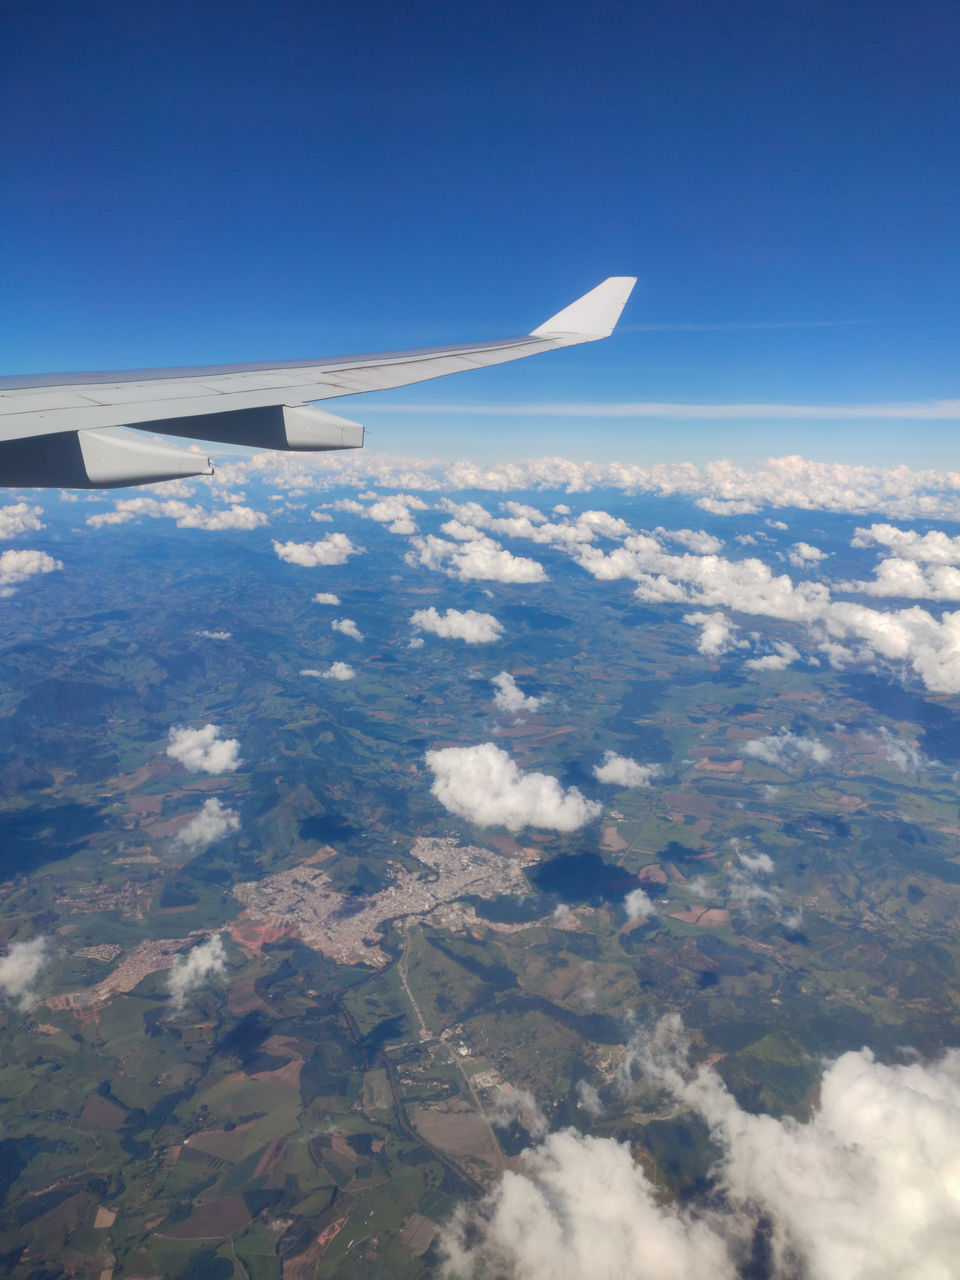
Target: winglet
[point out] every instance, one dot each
(594, 315)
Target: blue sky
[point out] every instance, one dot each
(189, 184)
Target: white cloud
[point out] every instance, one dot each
(509, 697)
(395, 512)
(203, 750)
(20, 968)
(802, 554)
(934, 547)
(896, 577)
(483, 785)
(17, 566)
(468, 625)
(326, 597)
(638, 906)
(779, 661)
(346, 627)
(194, 970)
(588, 1100)
(787, 750)
(622, 771)
(335, 548)
(19, 518)
(865, 1189)
(898, 751)
(478, 559)
(215, 635)
(716, 636)
(336, 671)
(321, 517)
(511, 1106)
(693, 539)
(212, 823)
(234, 516)
(580, 1206)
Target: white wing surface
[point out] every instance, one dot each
(69, 430)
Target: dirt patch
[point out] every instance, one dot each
(101, 1113)
(212, 1221)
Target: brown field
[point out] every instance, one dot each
(220, 1143)
(703, 917)
(460, 1132)
(100, 1113)
(212, 1221)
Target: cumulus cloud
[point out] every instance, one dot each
(778, 661)
(215, 635)
(203, 750)
(511, 698)
(512, 1106)
(934, 547)
(335, 548)
(326, 597)
(588, 1100)
(483, 785)
(864, 1189)
(336, 671)
(212, 823)
(802, 554)
(580, 1206)
(395, 510)
(477, 559)
(622, 771)
(17, 566)
(467, 625)
(909, 580)
(717, 633)
(195, 970)
(346, 627)
(19, 518)
(901, 753)
(20, 968)
(235, 516)
(787, 750)
(638, 906)
(693, 539)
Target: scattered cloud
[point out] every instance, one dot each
(787, 751)
(234, 516)
(865, 1187)
(476, 559)
(588, 1100)
(622, 771)
(19, 518)
(346, 627)
(717, 634)
(195, 970)
(335, 548)
(934, 547)
(336, 671)
(517, 1106)
(326, 597)
(483, 785)
(901, 753)
(509, 697)
(215, 635)
(17, 566)
(778, 661)
(20, 968)
(802, 555)
(638, 906)
(203, 750)
(212, 823)
(468, 625)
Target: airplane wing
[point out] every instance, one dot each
(70, 430)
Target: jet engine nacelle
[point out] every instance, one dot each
(101, 458)
(275, 426)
